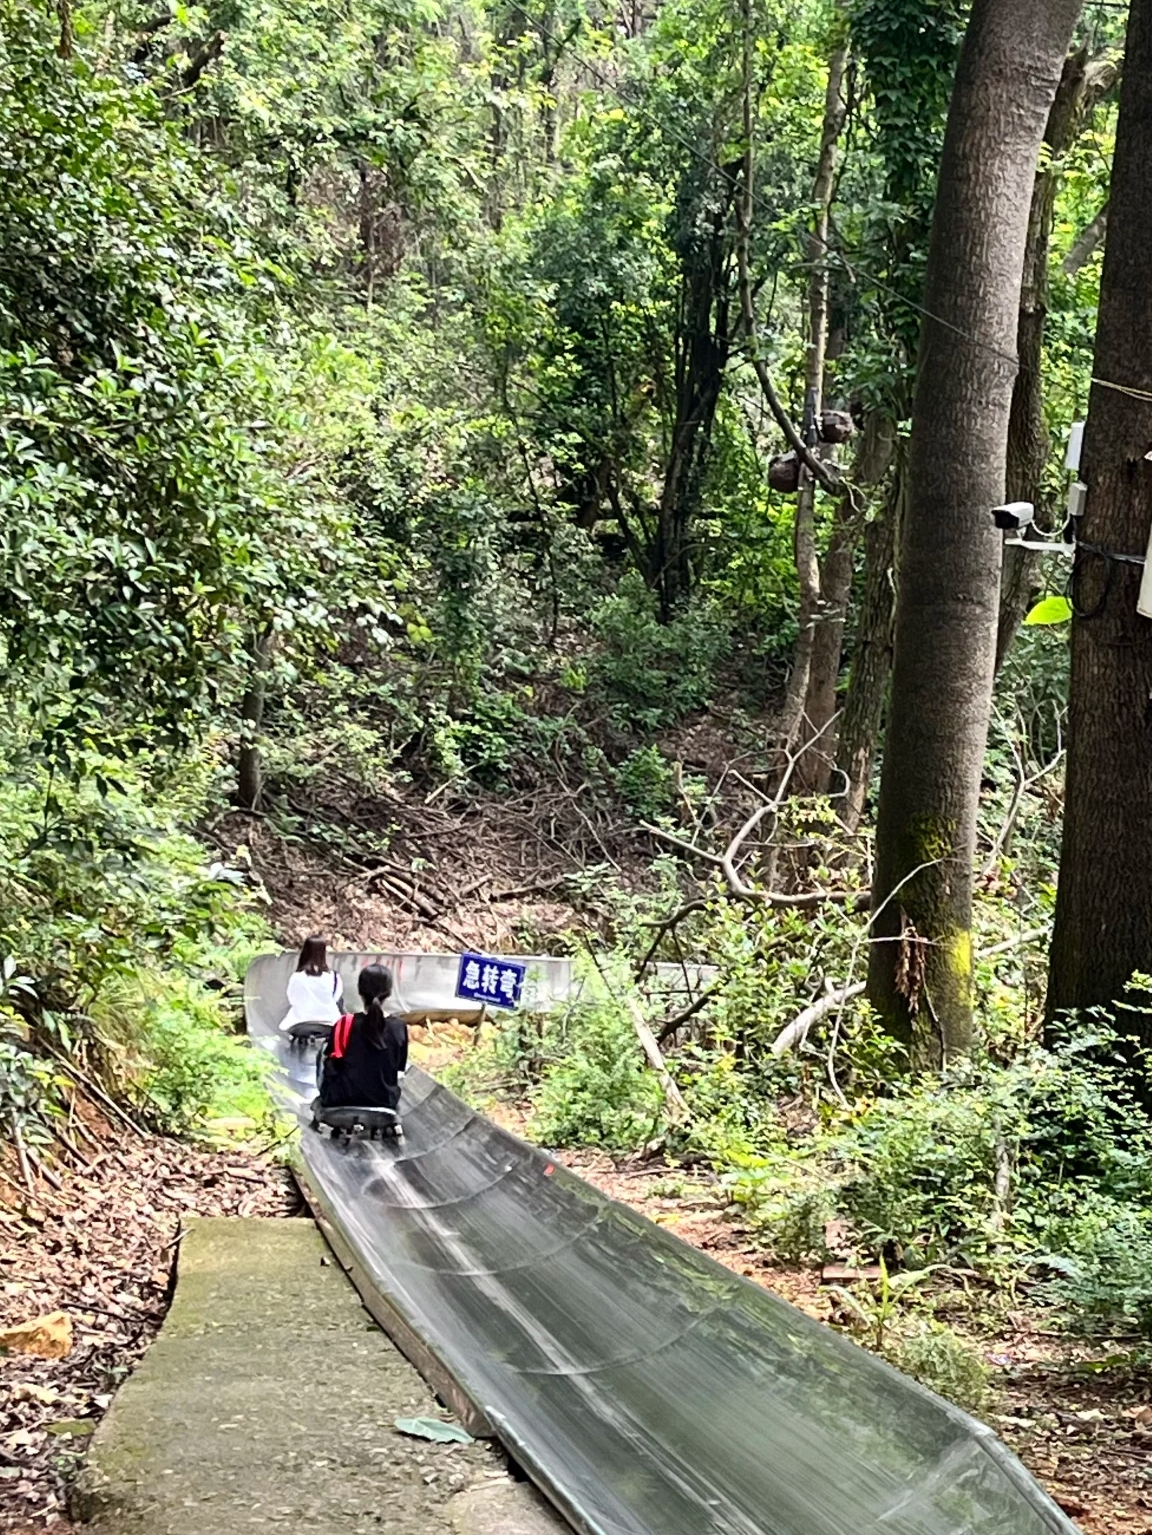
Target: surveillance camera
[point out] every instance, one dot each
(1015, 514)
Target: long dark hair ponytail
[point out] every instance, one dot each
(375, 987)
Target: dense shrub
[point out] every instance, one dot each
(649, 674)
(595, 1089)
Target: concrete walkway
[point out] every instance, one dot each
(267, 1402)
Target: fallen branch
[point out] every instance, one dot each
(71, 1147)
(44, 1170)
(22, 1155)
(685, 847)
(663, 928)
(669, 1027)
(797, 1031)
(98, 1093)
(81, 1129)
(803, 900)
(678, 1109)
(401, 891)
(728, 858)
(1007, 944)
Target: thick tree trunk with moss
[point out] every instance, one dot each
(1104, 902)
(920, 975)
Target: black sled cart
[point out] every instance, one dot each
(372, 1123)
(301, 1035)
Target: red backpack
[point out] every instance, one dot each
(341, 1031)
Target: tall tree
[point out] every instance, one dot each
(920, 975)
(1104, 903)
(813, 581)
(908, 50)
(702, 339)
(1083, 84)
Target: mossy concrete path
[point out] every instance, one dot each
(268, 1401)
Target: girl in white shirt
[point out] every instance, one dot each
(314, 991)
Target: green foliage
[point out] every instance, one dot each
(580, 1069)
(1100, 1265)
(645, 782)
(910, 49)
(650, 673)
(1041, 1164)
(187, 1066)
(876, 1312)
(119, 931)
(935, 1355)
(130, 494)
(595, 1089)
(26, 1080)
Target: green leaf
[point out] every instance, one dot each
(1050, 610)
(433, 1428)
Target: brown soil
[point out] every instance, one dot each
(101, 1249)
(403, 872)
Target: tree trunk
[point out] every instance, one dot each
(816, 768)
(792, 723)
(1086, 242)
(920, 974)
(1082, 84)
(1104, 902)
(871, 655)
(701, 358)
(249, 766)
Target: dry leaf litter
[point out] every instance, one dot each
(85, 1276)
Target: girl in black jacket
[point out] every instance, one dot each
(367, 1054)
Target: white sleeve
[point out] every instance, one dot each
(297, 999)
(337, 987)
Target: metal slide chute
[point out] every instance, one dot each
(646, 1389)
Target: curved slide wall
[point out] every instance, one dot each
(426, 983)
(645, 1388)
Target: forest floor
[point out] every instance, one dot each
(408, 869)
(101, 1247)
(101, 1250)
(98, 1253)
